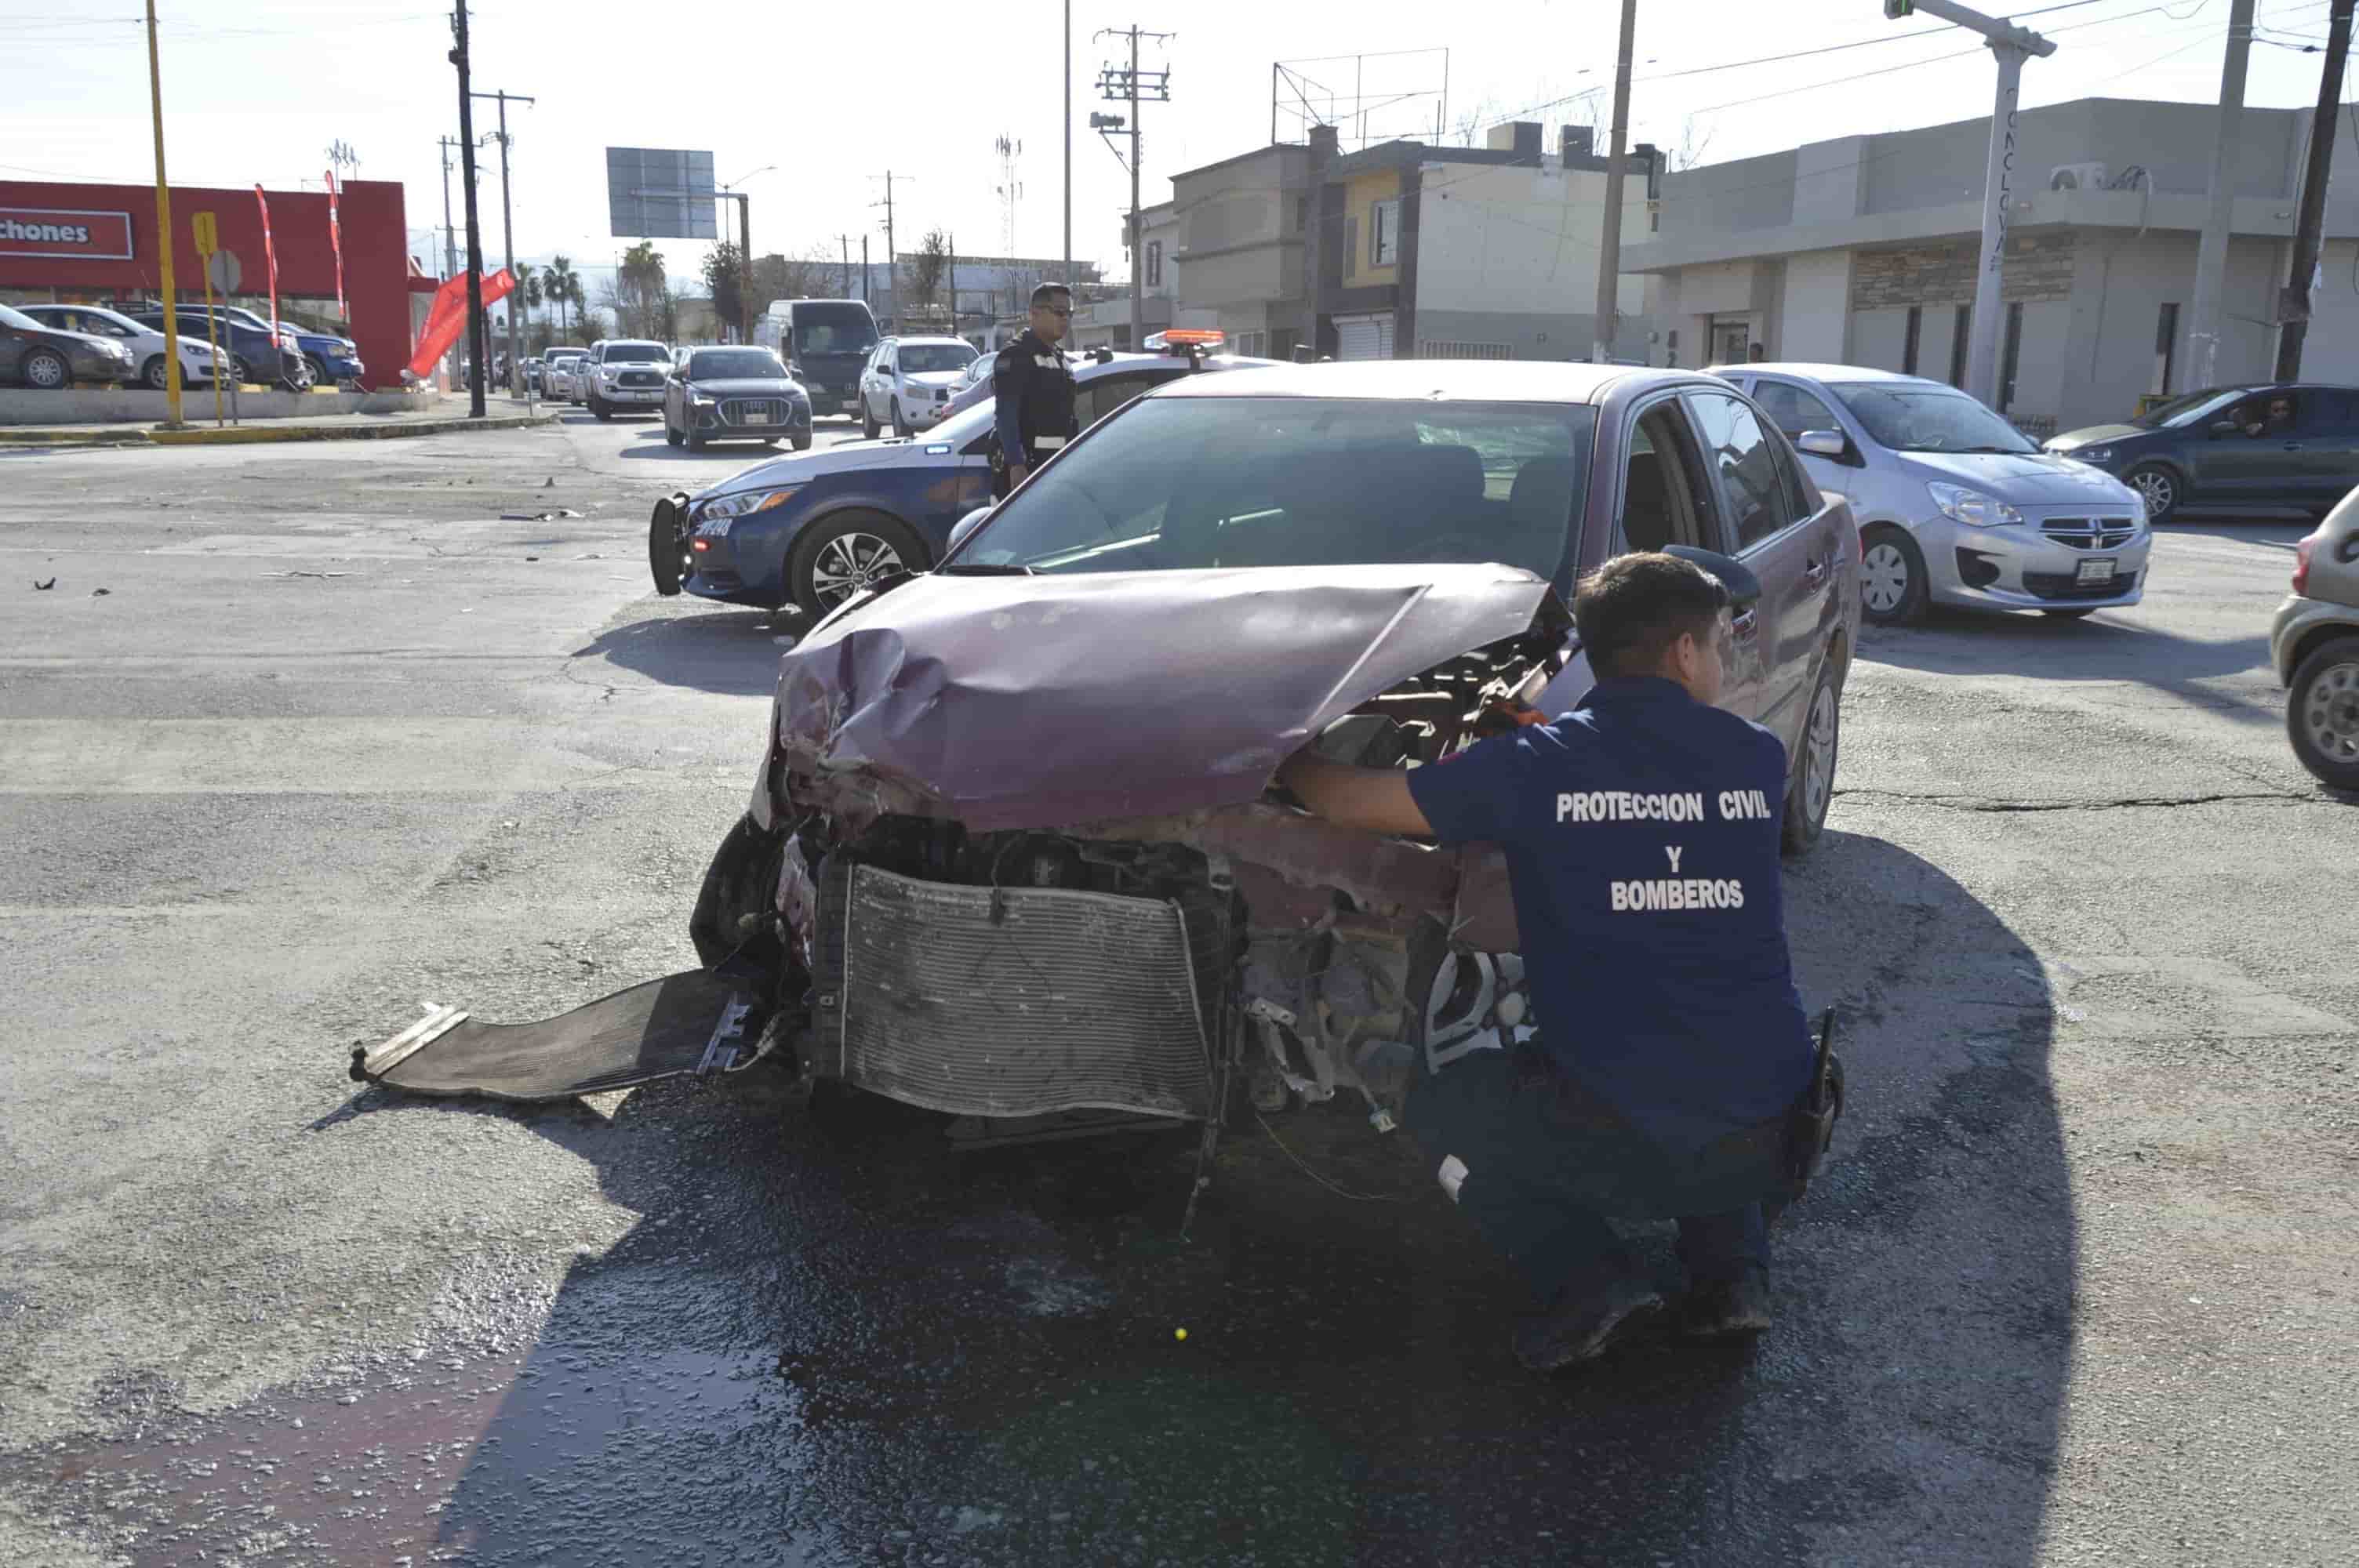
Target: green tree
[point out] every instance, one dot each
(724, 275)
(564, 288)
(925, 269)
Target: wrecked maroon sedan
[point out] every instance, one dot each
(1014, 850)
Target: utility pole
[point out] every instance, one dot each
(1605, 324)
(450, 240)
(864, 269)
(2212, 251)
(2012, 46)
(1115, 85)
(507, 229)
(478, 341)
(164, 234)
(954, 264)
(2295, 308)
(1069, 146)
(892, 273)
(847, 263)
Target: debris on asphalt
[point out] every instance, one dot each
(307, 574)
(52, 583)
(100, 593)
(532, 557)
(557, 515)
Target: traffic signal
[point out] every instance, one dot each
(1895, 9)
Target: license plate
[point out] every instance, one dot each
(2094, 571)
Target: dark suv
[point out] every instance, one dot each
(260, 357)
(2270, 444)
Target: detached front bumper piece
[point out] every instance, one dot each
(691, 1023)
(1015, 1002)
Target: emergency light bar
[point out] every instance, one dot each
(1182, 340)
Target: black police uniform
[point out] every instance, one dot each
(1642, 837)
(1034, 392)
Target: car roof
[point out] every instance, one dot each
(1809, 372)
(931, 343)
(1470, 381)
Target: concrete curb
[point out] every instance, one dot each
(248, 435)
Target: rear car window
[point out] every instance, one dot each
(1188, 483)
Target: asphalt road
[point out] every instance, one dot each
(305, 736)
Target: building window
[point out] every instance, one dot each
(1959, 333)
(1908, 343)
(2009, 355)
(2165, 349)
(1302, 214)
(1155, 263)
(1384, 232)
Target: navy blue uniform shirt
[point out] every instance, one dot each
(1642, 834)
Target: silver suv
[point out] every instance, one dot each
(1955, 505)
(2314, 648)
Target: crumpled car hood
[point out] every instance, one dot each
(1043, 701)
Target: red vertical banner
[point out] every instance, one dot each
(269, 256)
(336, 243)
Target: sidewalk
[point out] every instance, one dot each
(500, 413)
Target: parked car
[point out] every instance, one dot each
(808, 530)
(2271, 444)
(557, 379)
(259, 355)
(825, 344)
(626, 373)
(996, 757)
(334, 361)
(910, 381)
(735, 394)
(1954, 505)
(35, 355)
(146, 343)
(2314, 648)
(532, 373)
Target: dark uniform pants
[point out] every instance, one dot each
(1541, 1165)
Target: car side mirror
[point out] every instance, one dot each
(1823, 443)
(1743, 588)
(966, 526)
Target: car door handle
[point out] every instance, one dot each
(2293, 446)
(1744, 622)
(1814, 574)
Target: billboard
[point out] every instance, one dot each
(656, 193)
(60, 232)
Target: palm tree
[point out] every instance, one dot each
(563, 288)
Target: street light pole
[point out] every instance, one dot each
(2212, 251)
(164, 234)
(1605, 324)
(1068, 279)
(478, 342)
(507, 229)
(2012, 46)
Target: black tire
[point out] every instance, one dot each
(1814, 781)
(156, 375)
(2163, 486)
(666, 547)
(868, 427)
(802, 443)
(298, 377)
(1892, 590)
(695, 442)
(2322, 713)
(46, 370)
(600, 409)
(319, 377)
(901, 426)
(240, 370)
(671, 437)
(2070, 614)
(832, 553)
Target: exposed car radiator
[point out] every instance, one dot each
(1014, 1000)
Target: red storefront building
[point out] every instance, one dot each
(96, 244)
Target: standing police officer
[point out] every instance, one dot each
(1034, 392)
(1642, 837)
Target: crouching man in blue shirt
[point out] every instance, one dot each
(1641, 831)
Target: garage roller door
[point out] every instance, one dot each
(1363, 337)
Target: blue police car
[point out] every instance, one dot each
(811, 528)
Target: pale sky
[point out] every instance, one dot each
(257, 90)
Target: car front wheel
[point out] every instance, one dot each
(847, 554)
(1814, 781)
(868, 426)
(667, 549)
(155, 374)
(2322, 713)
(600, 409)
(2158, 483)
(1891, 578)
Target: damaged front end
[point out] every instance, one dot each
(1012, 852)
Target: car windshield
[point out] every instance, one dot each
(1184, 483)
(1910, 416)
(636, 353)
(2191, 408)
(834, 329)
(917, 358)
(720, 363)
